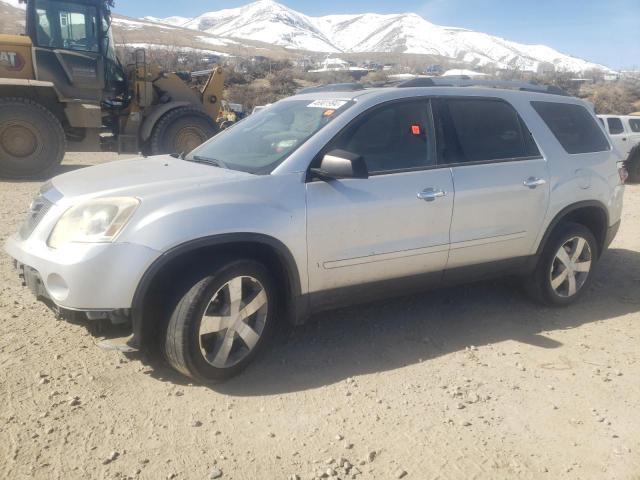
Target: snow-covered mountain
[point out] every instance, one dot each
(175, 20)
(275, 26)
(271, 22)
(410, 33)
(15, 4)
(266, 21)
(153, 34)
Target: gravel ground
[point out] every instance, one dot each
(461, 383)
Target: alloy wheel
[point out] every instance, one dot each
(233, 321)
(571, 267)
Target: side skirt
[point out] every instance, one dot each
(366, 293)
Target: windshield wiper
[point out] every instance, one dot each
(207, 161)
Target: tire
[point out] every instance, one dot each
(633, 165)
(196, 347)
(567, 236)
(32, 140)
(181, 130)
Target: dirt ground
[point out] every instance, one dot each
(462, 383)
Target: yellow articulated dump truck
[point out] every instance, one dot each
(62, 88)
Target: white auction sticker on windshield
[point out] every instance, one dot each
(333, 104)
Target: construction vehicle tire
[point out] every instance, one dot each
(32, 140)
(181, 130)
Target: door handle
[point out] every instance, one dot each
(533, 182)
(430, 194)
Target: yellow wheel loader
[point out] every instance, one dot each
(62, 88)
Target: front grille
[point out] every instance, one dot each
(39, 208)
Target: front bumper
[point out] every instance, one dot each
(32, 280)
(82, 277)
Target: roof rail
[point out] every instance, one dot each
(465, 81)
(418, 82)
(333, 87)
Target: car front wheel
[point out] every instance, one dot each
(222, 322)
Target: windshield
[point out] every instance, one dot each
(262, 141)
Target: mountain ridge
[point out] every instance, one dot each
(272, 22)
(269, 28)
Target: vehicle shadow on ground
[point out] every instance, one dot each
(391, 334)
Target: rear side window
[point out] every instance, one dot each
(390, 138)
(615, 126)
(634, 123)
(480, 130)
(573, 126)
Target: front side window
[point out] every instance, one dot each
(67, 25)
(573, 126)
(393, 137)
(262, 141)
(634, 123)
(615, 126)
(481, 130)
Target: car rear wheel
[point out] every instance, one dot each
(565, 268)
(222, 322)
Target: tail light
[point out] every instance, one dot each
(624, 174)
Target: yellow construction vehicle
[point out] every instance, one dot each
(62, 88)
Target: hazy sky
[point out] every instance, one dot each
(603, 31)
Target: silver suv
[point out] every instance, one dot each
(323, 199)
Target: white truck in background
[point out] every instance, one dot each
(624, 131)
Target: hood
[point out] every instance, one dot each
(141, 177)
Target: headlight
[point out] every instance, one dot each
(95, 221)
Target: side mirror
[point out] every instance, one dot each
(341, 164)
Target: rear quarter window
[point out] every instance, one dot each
(634, 124)
(573, 126)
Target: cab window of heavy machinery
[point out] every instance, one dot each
(108, 44)
(114, 74)
(67, 25)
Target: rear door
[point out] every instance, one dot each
(500, 178)
(395, 223)
(619, 135)
(632, 124)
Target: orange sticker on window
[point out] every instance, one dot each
(416, 130)
(328, 113)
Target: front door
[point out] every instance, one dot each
(501, 182)
(393, 224)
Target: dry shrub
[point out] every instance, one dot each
(622, 97)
